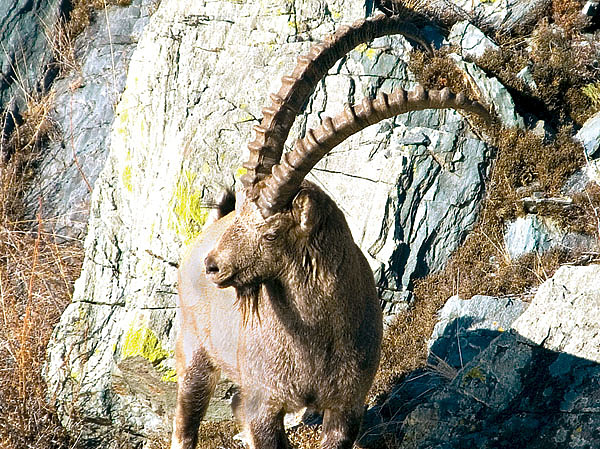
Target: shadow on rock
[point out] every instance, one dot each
(497, 389)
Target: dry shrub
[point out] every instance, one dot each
(36, 277)
(562, 61)
(19, 152)
(523, 159)
(81, 13)
(567, 15)
(36, 280)
(581, 216)
(219, 435)
(438, 71)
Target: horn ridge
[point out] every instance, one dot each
(310, 69)
(307, 152)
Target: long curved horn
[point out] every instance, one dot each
(267, 147)
(279, 188)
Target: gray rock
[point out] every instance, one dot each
(526, 76)
(589, 136)
(466, 327)
(513, 394)
(534, 386)
(492, 16)
(84, 105)
(530, 234)
(471, 40)
(26, 51)
(565, 313)
(536, 234)
(591, 9)
(492, 93)
(502, 15)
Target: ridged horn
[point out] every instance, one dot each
(278, 189)
(278, 118)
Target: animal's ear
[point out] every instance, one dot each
(305, 211)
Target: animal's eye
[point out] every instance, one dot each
(270, 236)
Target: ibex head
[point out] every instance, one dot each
(256, 249)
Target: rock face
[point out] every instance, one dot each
(195, 87)
(534, 386)
(467, 327)
(26, 51)
(84, 105)
(572, 298)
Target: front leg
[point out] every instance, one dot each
(341, 427)
(195, 385)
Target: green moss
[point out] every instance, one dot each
(188, 214)
(592, 91)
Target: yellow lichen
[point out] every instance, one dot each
(188, 214)
(126, 178)
(240, 172)
(170, 375)
(142, 342)
(475, 373)
(361, 48)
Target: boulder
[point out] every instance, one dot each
(537, 234)
(467, 327)
(564, 316)
(534, 386)
(471, 40)
(503, 15)
(589, 136)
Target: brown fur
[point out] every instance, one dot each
(286, 307)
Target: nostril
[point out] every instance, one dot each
(211, 265)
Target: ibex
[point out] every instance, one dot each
(276, 294)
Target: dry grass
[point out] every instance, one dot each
(36, 282)
(36, 278)
(81, 13)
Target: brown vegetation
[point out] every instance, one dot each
(36, 272)
(36, 277)
(562, 62)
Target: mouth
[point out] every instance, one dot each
(221, 280)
